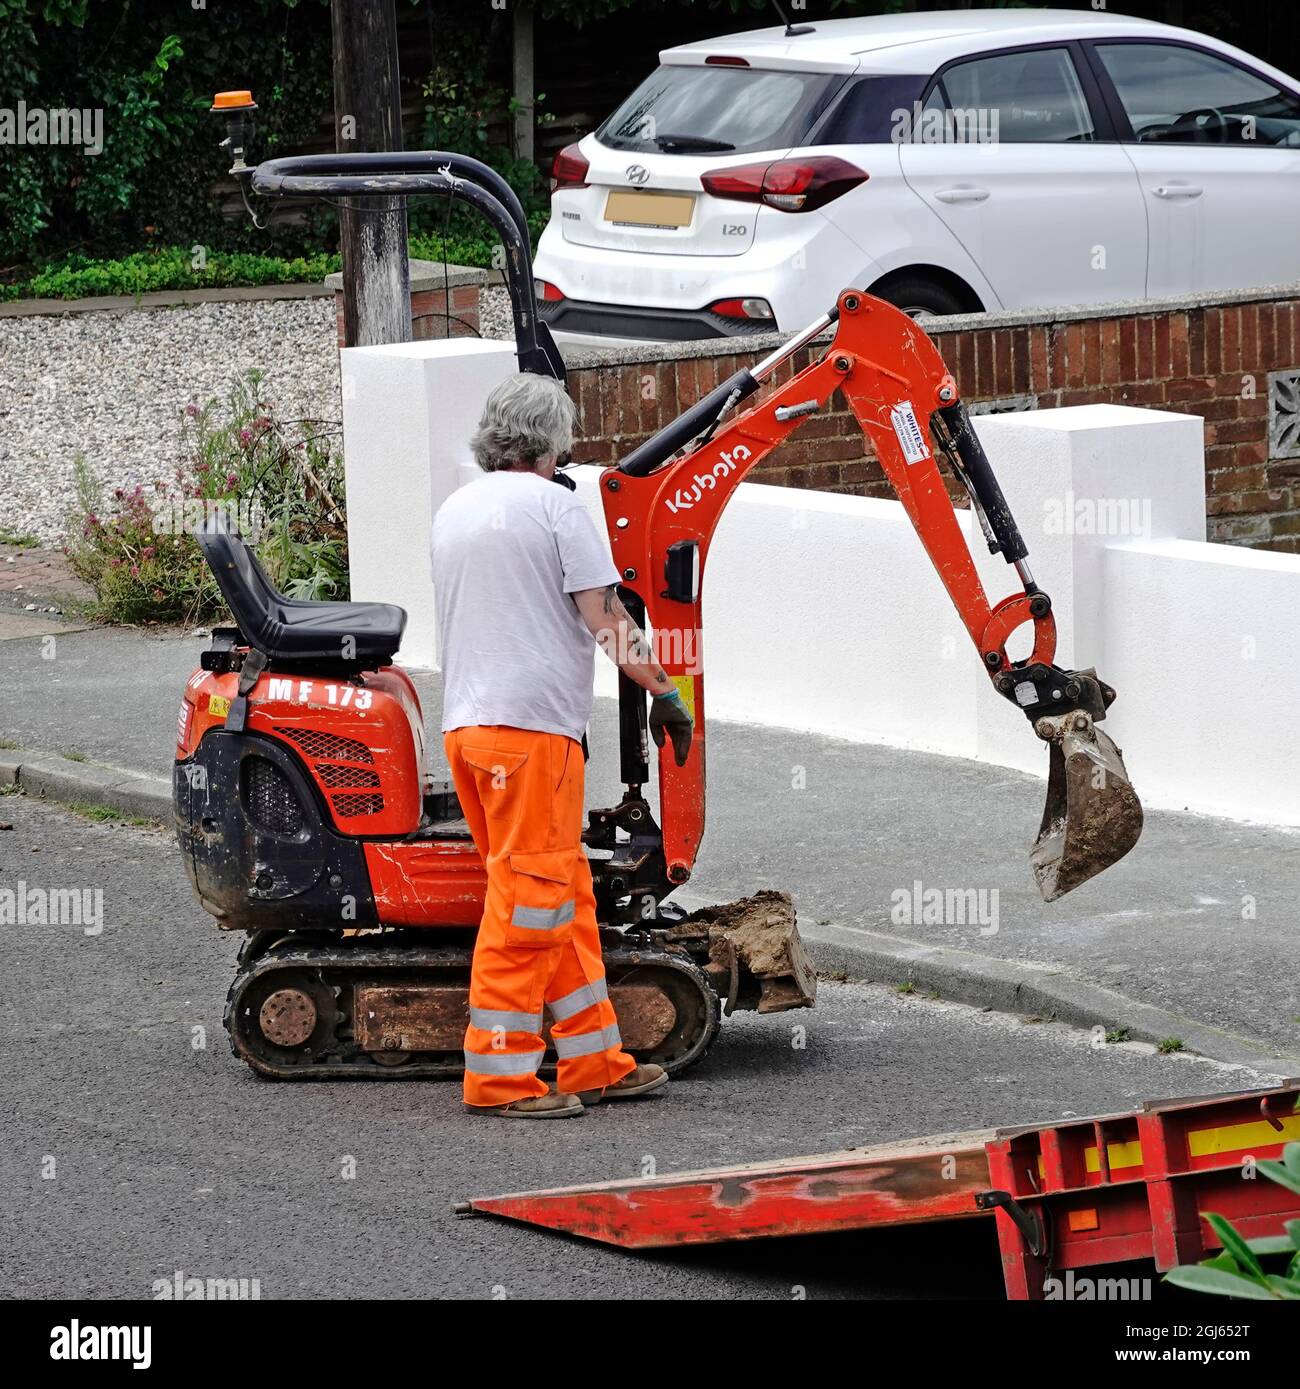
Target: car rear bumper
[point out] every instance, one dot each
(571, 319)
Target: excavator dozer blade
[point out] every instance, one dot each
(1093, 816)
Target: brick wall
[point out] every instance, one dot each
(1218, 358)
(430, 287)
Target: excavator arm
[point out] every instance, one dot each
(663, 503)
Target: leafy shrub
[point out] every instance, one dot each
(1237, 1270)
(139, 554)
(172, 267)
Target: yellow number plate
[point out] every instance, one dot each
(630, 209)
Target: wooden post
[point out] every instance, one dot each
(523, 84)
(368, 117)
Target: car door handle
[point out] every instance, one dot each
(1177, 190)
(962, 194)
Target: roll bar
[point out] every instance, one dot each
(408, 174)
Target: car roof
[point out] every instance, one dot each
(911, 42)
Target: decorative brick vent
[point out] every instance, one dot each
(1284, 414)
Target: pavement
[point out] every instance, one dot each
(136, 1147)
(1192, 937)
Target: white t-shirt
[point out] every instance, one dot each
(508, 549)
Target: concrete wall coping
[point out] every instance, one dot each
(429, 274)
(584, 358)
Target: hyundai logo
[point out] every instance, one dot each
(638, 174)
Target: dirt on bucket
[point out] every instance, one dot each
(756, 956)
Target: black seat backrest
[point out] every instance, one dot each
(254, 601)
(352, 636)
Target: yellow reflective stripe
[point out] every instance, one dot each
(1226, 1138)
(1117, 1155)
(1232, 1138)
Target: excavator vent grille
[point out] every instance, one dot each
(317, 745)
(337, 774)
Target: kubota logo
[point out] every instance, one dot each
(686, 497)
(638, 174)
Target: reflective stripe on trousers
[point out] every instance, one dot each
(579, 999)
(503, 1063)
(543, 918)
(588, 1043)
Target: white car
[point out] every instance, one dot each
(950, 161)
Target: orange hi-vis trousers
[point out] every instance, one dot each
(521, 793)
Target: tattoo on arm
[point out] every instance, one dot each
(641, 651)
(612, 604)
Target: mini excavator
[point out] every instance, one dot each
(304, 810)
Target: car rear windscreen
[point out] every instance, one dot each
(712, 110)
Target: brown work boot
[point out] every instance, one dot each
(642, 1081)
(534, 1107)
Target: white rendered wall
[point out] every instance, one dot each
(1208, 663)
(408, 412)
(823, 613)
(1134, 475)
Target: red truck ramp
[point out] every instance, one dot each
(1065, 1195)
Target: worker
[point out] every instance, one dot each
(524, 590)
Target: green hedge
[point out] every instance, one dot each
(173, 267)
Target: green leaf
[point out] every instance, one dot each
(1234, 1244)
(1200, 1279)
(1272, 1244)
(1275, 1172)
(1288, 1289)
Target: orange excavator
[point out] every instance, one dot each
(307, 817)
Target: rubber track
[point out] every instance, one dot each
(344, 958)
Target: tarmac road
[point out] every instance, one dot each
(136, 1146)
(1199, 919)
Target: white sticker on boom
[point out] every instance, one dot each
(910, 438)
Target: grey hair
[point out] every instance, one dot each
(526, 418)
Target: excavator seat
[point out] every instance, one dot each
(288, 631)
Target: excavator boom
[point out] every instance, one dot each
(663, 502)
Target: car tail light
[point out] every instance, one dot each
(717, 60)
(743, 308)
(569, 169)
(791, 185)
(547, 292)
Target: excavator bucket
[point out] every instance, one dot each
(1093, 816)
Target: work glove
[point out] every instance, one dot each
(669, 714)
